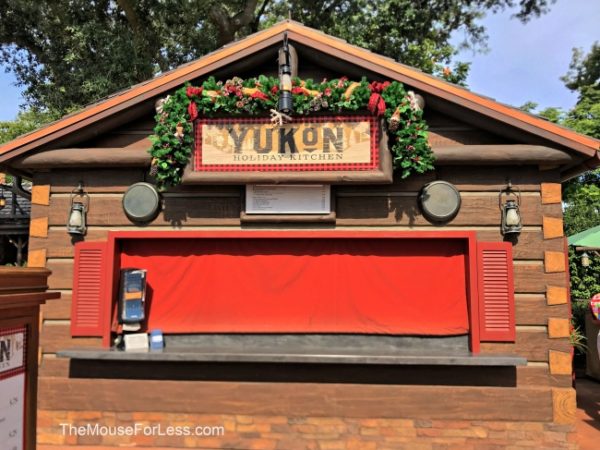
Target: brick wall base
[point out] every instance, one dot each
(291, 433)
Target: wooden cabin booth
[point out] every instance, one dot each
(373, 259)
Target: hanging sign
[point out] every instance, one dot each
(348, 143)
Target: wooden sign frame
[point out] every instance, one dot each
(324, 217)
(381, 173)
(13, 376)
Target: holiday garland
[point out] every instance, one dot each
(173, 139)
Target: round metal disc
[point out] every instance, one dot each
(440, 201)
(141, 202)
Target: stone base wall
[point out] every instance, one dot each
(95, 428)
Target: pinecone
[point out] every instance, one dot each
(154, 167)
(394, 121)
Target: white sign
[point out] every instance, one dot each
(12, 351)
(12, 409)
(288, 199)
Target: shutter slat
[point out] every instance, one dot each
(496, 292)
(88, 289)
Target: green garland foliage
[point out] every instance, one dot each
(173, 139)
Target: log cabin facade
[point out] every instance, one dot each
(515, 389)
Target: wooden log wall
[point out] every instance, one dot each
(542, 312)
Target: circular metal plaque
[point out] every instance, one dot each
(440, 201)
(141, 202)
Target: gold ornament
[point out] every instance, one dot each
(351, 89)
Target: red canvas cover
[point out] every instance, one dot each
(375, 286)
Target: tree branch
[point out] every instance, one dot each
(245, 16)
(131, 15)
(220, 18)
(256, 21)
(228, 26)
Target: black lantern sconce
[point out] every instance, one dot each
(80, 202)
(509, 201)
(285, 104)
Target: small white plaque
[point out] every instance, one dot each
(288, 199)
(12, 408)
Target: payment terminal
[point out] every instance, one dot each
(132, 296)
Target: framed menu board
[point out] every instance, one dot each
(288, 199)
(13, 368)
(20, 300)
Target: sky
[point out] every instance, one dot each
(524, 61)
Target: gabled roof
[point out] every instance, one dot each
(584, 145)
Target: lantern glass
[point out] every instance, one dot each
(585, 260)
(511, 218)
(76, 223)
(285, 81)
(2, 200)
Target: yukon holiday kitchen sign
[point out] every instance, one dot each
(346, 143)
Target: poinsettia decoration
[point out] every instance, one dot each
(173, 139)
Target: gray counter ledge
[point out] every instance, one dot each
(316, 356)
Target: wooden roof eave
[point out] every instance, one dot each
(575, 170)
(499, 154)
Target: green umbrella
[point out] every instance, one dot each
(589, 239)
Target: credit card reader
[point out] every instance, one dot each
(132, 296)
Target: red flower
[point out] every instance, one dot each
(193, 111)
(341, 82)
(191, 91)
(274, 90)
(327, 92)
(260, 95)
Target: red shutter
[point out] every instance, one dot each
(496, 292)
(88, 289)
